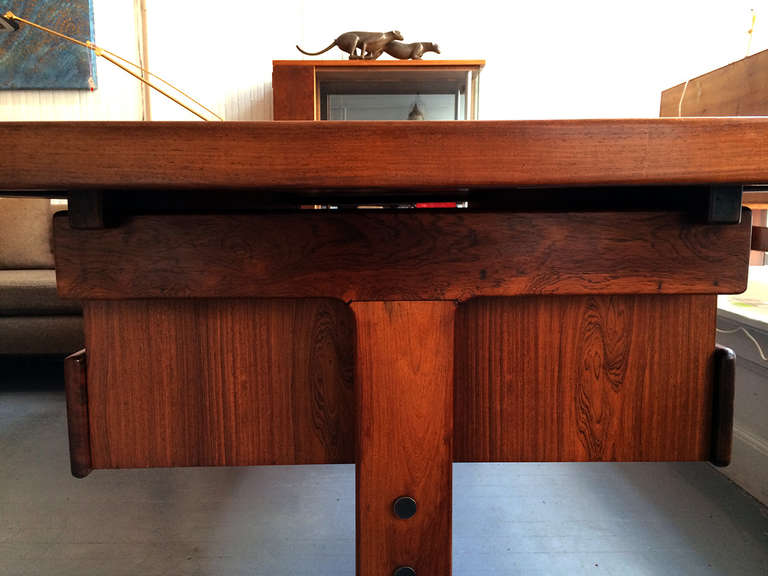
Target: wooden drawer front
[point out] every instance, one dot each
(581, 378)
(219, 382)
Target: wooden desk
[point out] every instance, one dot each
(568, 314)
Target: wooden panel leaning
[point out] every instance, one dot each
(585, 378)
(76, 385)
(406, 255)
(220, 382)
(737, 89)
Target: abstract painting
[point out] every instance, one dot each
(31, 59)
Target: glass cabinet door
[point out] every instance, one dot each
(397, 94)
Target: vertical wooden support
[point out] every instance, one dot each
(404, 382)
(77, 414)
(722, 410)
(724, 206)
(89, 210)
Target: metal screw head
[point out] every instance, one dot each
(404, 571)
(404, 507)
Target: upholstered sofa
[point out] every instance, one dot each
(33, 320)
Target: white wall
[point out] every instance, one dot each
(118, 95)
(604, 59)
(546, 59)
(555, 59)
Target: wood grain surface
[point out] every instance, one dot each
(407, 255)
(375, 155)
(584, 378)
(404, 384)
(293, 90)
(723, 405)
(76, 386)
(220, 382)
(738, 89)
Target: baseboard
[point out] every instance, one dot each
(749, 463)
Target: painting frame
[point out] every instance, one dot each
(35, 60)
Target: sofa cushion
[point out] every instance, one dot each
(41, 335)
(32, 293)
(25, 233)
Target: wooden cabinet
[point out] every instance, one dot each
(375, 89)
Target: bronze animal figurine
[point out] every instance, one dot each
(370, 44)
(412, 51)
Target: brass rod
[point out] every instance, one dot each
(179, 90)
(11, 16)
(148, 83)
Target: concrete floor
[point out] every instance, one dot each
(530, 519)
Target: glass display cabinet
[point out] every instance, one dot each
(376, 89)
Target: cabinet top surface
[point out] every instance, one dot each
(384, 63)
(377, 155)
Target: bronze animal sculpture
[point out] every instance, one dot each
(370, 44)
(412, 51)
